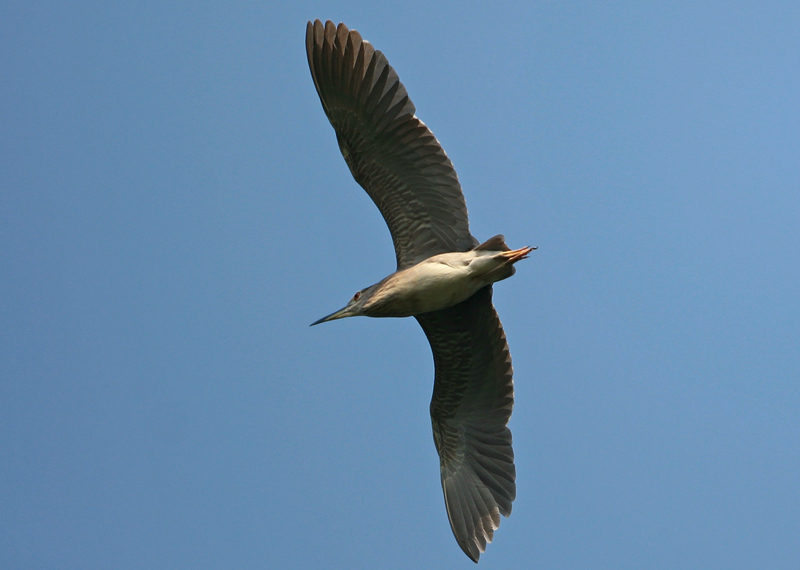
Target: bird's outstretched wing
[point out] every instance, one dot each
(389, 151)
(473, 395)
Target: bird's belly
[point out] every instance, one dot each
(433, 286)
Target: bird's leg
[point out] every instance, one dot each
(516, 254)
(500, 265)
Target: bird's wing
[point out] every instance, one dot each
(389, 151)
(472, 399)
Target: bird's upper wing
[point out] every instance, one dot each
(472, 399)
(389, 151)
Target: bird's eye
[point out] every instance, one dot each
(357, 296)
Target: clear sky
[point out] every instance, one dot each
(174, 212)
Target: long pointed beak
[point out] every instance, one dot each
(340, 314)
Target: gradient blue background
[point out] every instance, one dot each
(174, 212)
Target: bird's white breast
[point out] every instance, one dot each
(438, 282)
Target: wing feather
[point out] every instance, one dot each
(473, 396)
(389, 151)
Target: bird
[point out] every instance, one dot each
(443, 279)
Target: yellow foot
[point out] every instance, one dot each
(516, 254)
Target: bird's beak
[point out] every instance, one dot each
(340, 314)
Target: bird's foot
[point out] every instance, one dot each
(516, 254)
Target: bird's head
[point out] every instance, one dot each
(354, 308)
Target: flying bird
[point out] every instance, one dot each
(444, 275)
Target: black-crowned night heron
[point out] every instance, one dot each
(443, 278)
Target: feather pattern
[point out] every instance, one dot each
(389, 151)
(473, 396)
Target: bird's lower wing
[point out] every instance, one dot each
(472, 399)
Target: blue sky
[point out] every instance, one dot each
(174, 212)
